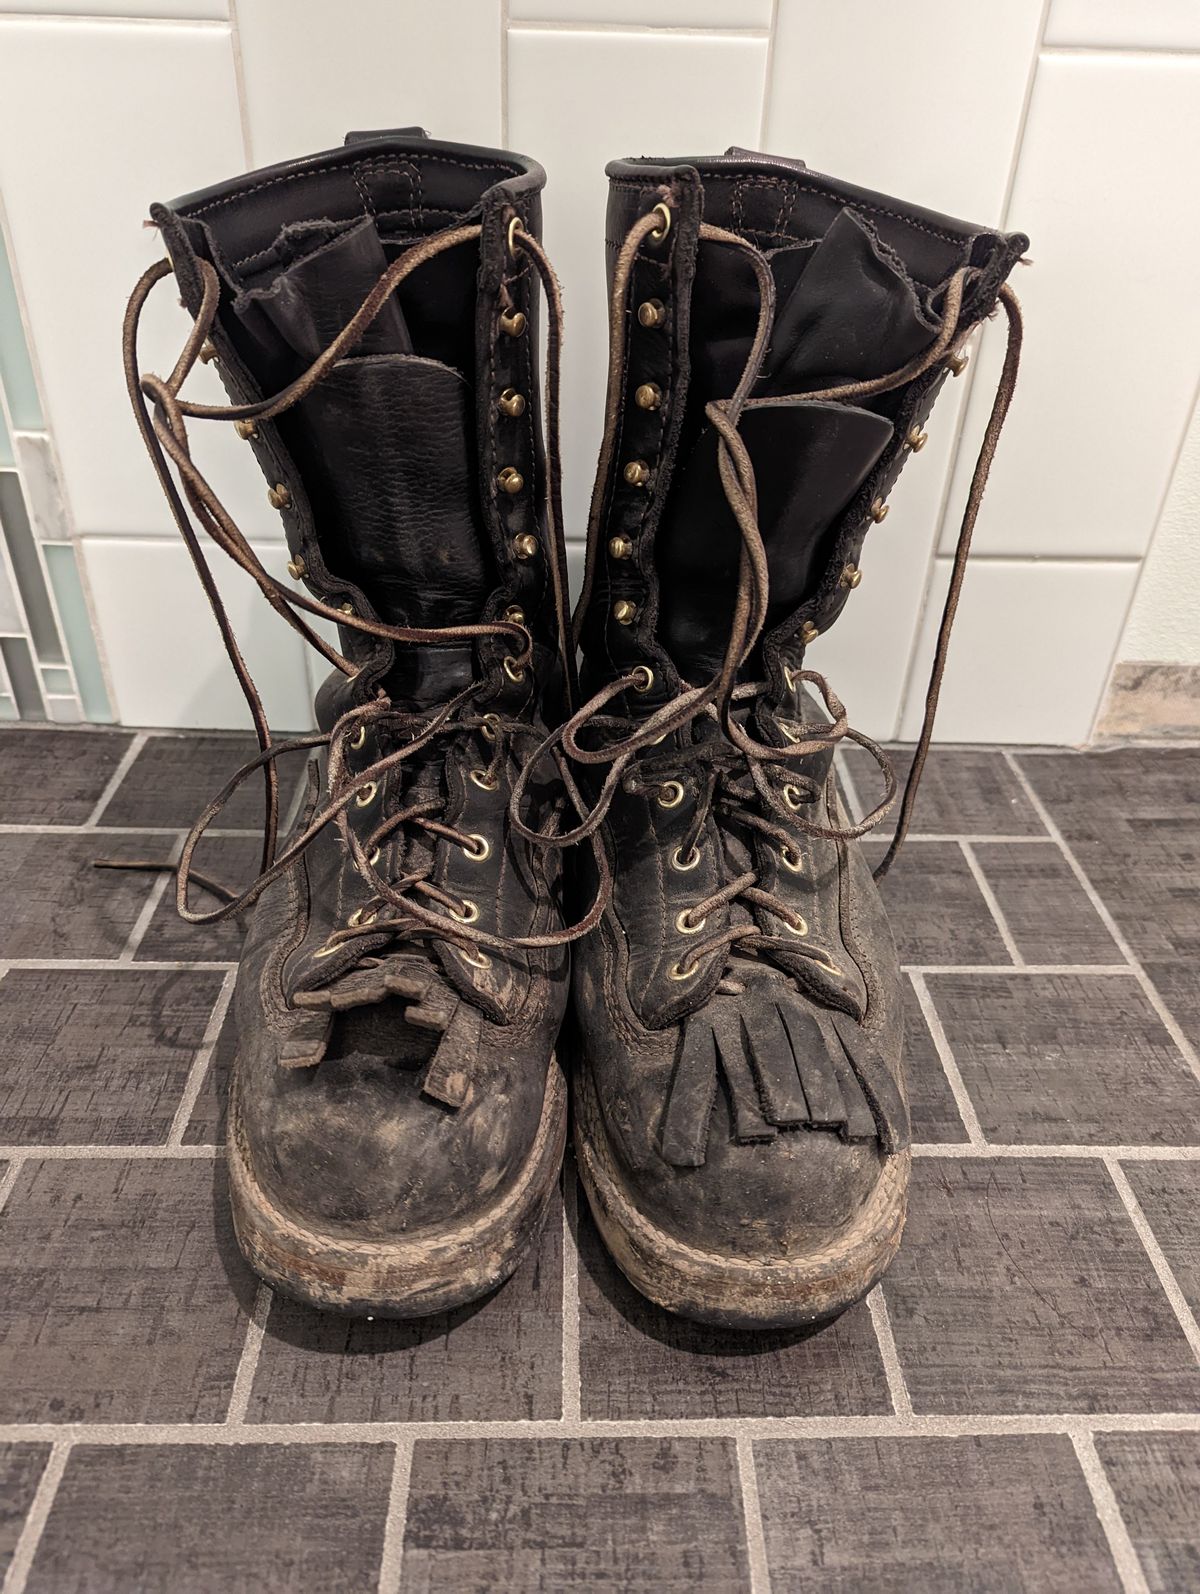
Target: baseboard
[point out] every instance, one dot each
(1151, 700)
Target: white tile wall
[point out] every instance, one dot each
(97, 119)
(647, 13)
(150, 607)
(577, 100)
(314, 71)
(920, 99)
(1127, 24)
(1106, 189)
(1031, 650)
(1088, 138)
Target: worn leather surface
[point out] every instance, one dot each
(751, 1108)
(395, 1086)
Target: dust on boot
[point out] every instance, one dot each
(397, 1114)
(778, 339)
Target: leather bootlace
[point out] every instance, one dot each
(737, 777)
(401, 908)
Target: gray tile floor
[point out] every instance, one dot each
(1017, 1408)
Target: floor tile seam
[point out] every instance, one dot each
(752, 1518)
(893, 1370)
(201, 1063)
(124, 765)
(984, 887)
(1108, 1513)
(1163, 1270)
(945, 1054)
(36, 1517)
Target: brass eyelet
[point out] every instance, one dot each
(793, 796)
(514, 614)
(685, 925)
(482, 961)
(488, 729)
(358, 739)
(208, 355)
(514, 671)
(651, 313)
(515, 226)
(620, 548)
(879, 511)
(525, 546)
(916, 438)
(670, 794)
(792, 732)
(643, 678)
(659, 234)
(367, 795)
(481, 850)
(374, 857)
(791, 860)
(796, 925)
(482, 780)
(678, 863)
(278, 496)
(624, 612)
(469, 914)
(678, 971)
(958, 363)
(245, 430)
(648, 396)
(808, 633)
(791, 677)
(851, 577)
(297, 569)
(327, 950)
(346, 608)
(361, 916)
(511, 403)
(829, 966)
(512, 323)
(636, 473)
(510, 480)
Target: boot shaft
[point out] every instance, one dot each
(858, 283)
(409, 478)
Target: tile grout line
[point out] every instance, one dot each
(158, 1151)
(243, 1381)
(138, 1152)
(201, 1063)
(958, 1088)
(882, 1425)
(9, 1178)
(1158, 1259)
(850, 790)
(142, 923)
(994, 908)
(756, 1539)
(115, 965)
(1120, 970)
(391, 1559)
(117, 776)
(1186, 1049)
(36, 1517)
(572, 1393)
(1120, 1545)
(893, 1371)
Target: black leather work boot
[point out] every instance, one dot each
(778, 341)
(397, 1115)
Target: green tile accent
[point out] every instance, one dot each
(57, 681)
(77, 624)
(16, 371)
(22, 675)
(27, 568)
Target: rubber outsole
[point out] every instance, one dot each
(414, 1276)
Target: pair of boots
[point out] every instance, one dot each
(492, 837)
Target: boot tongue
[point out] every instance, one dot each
(385, 442)
(846, 310)
(310, 302)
